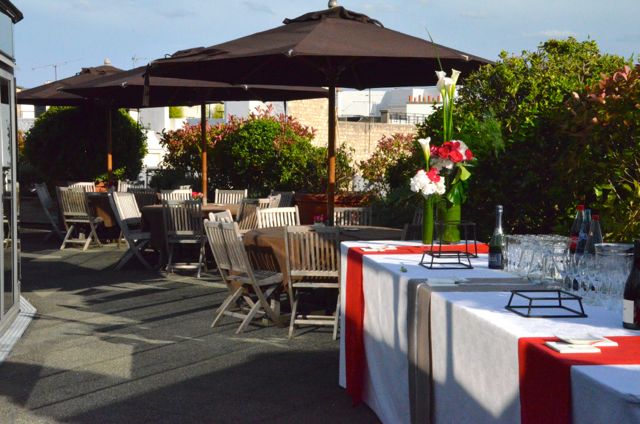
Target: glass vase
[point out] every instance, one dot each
(450, 215)
(427, 220)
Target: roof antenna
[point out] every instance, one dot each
(333, 3)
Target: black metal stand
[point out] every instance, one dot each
(553, 300)
(436, 258)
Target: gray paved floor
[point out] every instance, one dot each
(136, 347)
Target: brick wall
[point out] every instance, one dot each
(361, 136)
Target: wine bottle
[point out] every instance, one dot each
(583, 234)
(575, 228)
(595, 235)
(496, 244)
(631, 300)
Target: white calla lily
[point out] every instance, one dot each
(454, 75)
(426, 148)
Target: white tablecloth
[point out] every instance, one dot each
(475, 358)
(385, 323)
(474, 342)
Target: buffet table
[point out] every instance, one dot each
(425, 363)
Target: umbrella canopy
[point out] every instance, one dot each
(333, 47)
(50, 95)
(126, 89)
(329, 48)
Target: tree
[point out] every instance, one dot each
(68, 143)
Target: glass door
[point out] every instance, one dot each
(9, 232)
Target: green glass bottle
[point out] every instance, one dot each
(496, 244)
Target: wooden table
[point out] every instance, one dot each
(152, 219)
(266, 246)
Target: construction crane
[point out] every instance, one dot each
(55, 67)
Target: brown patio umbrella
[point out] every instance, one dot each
(329, 48)
(51, 94)
(125, 89)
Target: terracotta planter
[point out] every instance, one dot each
(312, 204)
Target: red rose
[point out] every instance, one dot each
(468, 154)
(455, 156)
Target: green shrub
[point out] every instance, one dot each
(512, 114)
(389, 151)
(68, 143)
(261, 153)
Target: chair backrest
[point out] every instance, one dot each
(312, 252)
(182, 217)
(126, 210)
(278, 217)
(86, 186)
(230, 197)
(179, 194)
(185, 187)
(247, 215)
(144, 196)
(352, 216)
(274, 201)
(73, 203)
(224, 216)
(417, 216)
(238, 257)
(45, 198)
(218, 247)
(286, 198)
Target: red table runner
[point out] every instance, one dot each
(355, 358)
(545, 375)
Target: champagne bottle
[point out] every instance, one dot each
(583, 234)
(496, 244)
(575, 228)
(631, 300)
(595, 235)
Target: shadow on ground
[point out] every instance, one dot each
(136, 346)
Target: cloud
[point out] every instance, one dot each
(551, 33)
(258, 7)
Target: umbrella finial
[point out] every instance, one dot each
(107, 61)
(333, 3)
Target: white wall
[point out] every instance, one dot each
(244, 108)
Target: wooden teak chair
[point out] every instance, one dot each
(278, 217)
(313, 262)
(50, 210)
(129, 219)
(178, 194)
(229, 197)
(352, 216)
(258, 286)
(75, 210)
(183, 225)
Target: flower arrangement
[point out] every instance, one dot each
(196, 195)
(445, 163)
(318, 219)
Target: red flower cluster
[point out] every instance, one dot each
(455, 151)
(433, 175)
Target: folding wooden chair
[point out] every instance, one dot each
(313, 262)
(76, 211)
(286, 198)
(144, 196)
(278, 217)
(247, 215)
(224, 216)
(50, 210)
(229, 197)
(183, 225)
(411, 232)
(179, 194)
(84, 185)
(129, 219)
(352, 216)
(258, 286)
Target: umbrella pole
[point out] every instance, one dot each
(203, 136)
(331, 155)
(109, 147)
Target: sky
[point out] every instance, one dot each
(72, 34)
